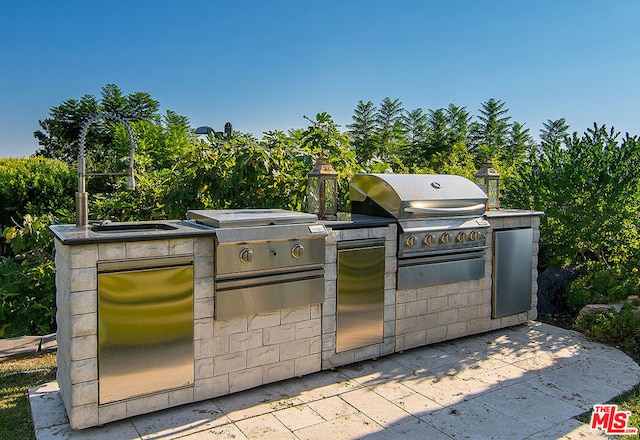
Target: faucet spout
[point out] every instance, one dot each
(82, 209)
(131, 181)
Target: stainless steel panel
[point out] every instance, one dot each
(145, 332)
(360, 295)
(512, 271)
(261, 234)
(444, 269)
(267, 255)
(248, 296)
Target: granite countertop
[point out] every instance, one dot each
(74, 235)
(346, 220)
(151, 230)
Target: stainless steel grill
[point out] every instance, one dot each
(442, 231)
(265, 259)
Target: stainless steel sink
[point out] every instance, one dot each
(133, 227)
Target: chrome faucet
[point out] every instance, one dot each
(82, 205)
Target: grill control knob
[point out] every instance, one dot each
(461, 237)
(297, 251)
(411, 241)
(445, 238)
(474, 235)
(246, 255)
(428, 239)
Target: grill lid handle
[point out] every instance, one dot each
(461, 210)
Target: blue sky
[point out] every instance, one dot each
(262, 65)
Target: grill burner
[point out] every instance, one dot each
(442, 233)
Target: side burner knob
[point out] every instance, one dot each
(411, 241)
(428, 240)
(246, 255)
(445, 238)
(297, 251)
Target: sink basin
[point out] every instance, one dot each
(133, 227)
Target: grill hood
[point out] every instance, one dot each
(414, 196)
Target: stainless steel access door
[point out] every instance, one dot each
(512, 271)
(145, 327)
(360, 295)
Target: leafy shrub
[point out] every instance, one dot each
(588, 187)
(27, 281)
(34, 186)
(599, 284)
(618, 328)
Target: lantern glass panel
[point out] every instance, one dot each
(492, 193)
(313, 200)
(330, 196)
(482, 183)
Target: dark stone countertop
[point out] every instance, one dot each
(346, 220)
(76, 235)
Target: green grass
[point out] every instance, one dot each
(17, 376)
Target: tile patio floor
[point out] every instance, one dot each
(523, 382)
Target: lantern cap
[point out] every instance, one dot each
(322, 167)
(487, 171)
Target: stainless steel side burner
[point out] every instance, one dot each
(265, 259)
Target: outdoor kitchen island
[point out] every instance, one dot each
(239, 352)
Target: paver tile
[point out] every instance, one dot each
(350, 426)
(298, 417)
(477, 421)
(223, 432)
(180, 420)
(503, 376)
(319, 385)
(529, 406)
(121, 430)
(414, 429)
(417, 405)
(45, 400)
(256, 401)
(376, 407)
(266, 426)
(332, 407)
(449, 390)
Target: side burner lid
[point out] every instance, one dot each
(235, 218)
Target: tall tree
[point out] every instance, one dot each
(554, 132)
(492, 127)
(520, 142)
(439, 137)
(416, 133)
(59, 133)
(390, 136)
(458, 120)
(363, 130)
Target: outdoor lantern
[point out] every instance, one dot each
(487, 178)
(322, 198)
